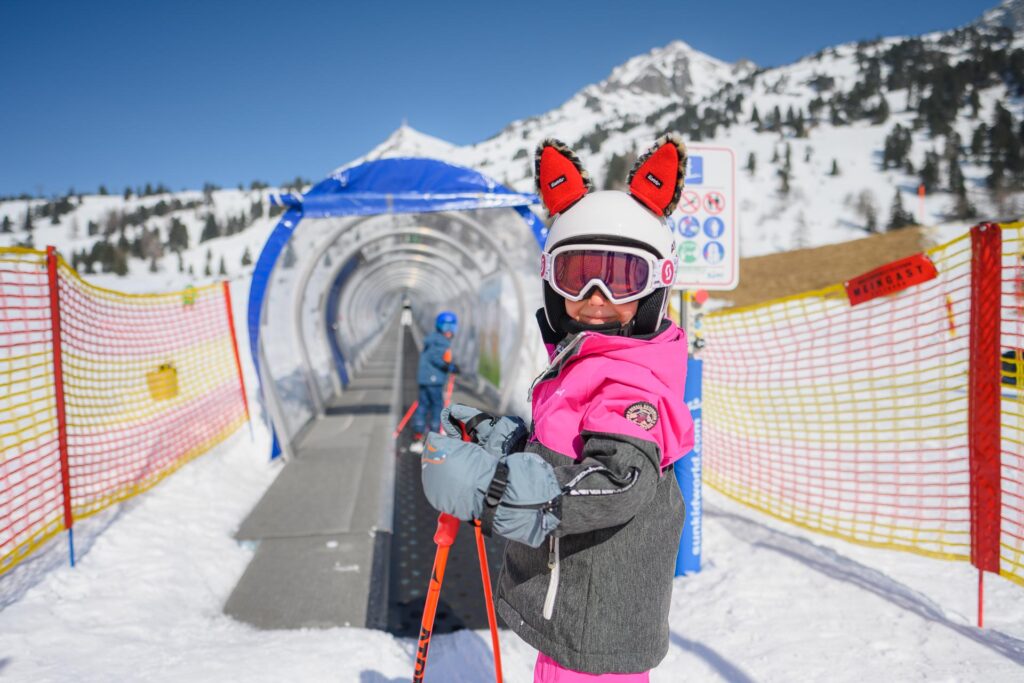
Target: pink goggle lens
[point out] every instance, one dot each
(624, 275)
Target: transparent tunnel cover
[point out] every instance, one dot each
(340, 282)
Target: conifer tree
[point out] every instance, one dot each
(930, 171)
(177, 237)
(865, 207)
(222, 268)
(119, 262)
(881, 113)
(898, 216)
(246, 257)
(835, 168)
(5, 227)
(751, 164)
(210, 229)
(27, 224)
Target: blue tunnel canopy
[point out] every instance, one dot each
(407, 185)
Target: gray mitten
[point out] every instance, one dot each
(516, 496)
(499, 436)
(528, 510)
(455, 475)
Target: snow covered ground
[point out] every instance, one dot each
(772, 603)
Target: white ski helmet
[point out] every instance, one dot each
(630, 219)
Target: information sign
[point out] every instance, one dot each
(704, 222)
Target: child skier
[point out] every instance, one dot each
(435, 366)
(588, 497)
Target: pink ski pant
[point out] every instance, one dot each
(549, 671)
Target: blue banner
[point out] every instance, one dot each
(688, 474)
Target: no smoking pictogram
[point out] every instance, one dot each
(714, 202)
(689, 202)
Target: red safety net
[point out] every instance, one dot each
(148, 383)
(864, 421)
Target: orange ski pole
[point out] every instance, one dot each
(485, 575)
(447, 528)
(408, 414)
(448, 394)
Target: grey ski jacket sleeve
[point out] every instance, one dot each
(616, 477)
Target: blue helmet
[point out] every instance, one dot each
(446, 322)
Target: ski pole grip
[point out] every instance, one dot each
(447, 529)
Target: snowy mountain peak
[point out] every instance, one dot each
(674, 70)
(1009, 14)
(406, 141)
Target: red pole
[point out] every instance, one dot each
(405, 420)
(448, 391)
(234, 346)
(983, 405)
(492, 622)
(920, 204)
(58, 384)
(447, 528)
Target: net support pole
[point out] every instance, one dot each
(984, 394)
(238, 359)
(58, 386)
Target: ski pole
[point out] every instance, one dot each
(492, 622)
(447, 528)
(448, 395)
(408, 414)
(485, 578)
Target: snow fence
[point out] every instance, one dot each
(897, 422)
(102, 394)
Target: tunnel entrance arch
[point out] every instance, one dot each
(335, 270)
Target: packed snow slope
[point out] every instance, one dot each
(771, 604)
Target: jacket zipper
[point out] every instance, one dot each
(555, 367)
(553, 567)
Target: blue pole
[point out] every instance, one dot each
(688, 474)
(71, 546)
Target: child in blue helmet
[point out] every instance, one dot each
(435, 366)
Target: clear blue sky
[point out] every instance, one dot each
(124, 93)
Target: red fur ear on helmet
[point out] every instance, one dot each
(561, 180)
(657, 177)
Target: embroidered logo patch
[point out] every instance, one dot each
(643, 414)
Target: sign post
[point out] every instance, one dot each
(688, 474)
(707, 248)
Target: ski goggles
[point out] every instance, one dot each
(623, 274)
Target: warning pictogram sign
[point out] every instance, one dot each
(689, 202)
(705, 226)
(714, 202)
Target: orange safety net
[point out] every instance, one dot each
(149, 383)
(852, 421)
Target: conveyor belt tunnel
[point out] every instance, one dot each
(343, 536)
(348, 253)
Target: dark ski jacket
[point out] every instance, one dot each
(435, 360)
(609, 417)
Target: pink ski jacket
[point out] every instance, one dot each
(609, 417)
(599, 377)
